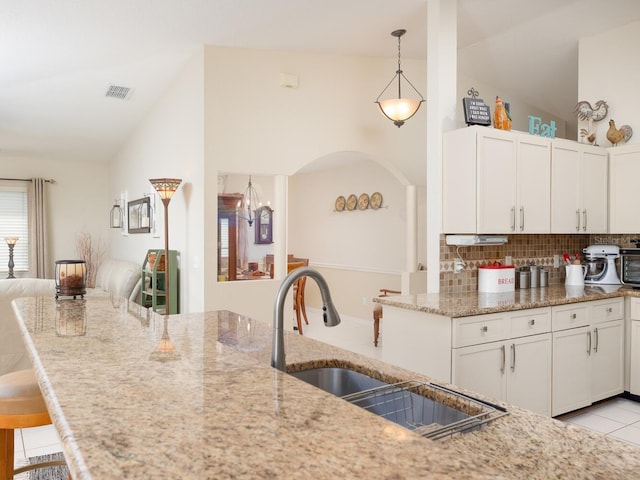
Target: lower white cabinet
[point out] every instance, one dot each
(634, 357)
(516, 368)
(588, 353)
(517, 371)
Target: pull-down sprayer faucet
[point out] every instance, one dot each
(329, 312)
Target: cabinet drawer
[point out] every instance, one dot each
(606, 310)
(569, 316)
(530, 322)
(479, 329)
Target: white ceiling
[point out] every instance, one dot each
(59, 56)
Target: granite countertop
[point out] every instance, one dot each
(137, 395)
(468, 304)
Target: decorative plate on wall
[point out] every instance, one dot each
(363, 201)
(351, 202)
(340, 203)
(376, 200)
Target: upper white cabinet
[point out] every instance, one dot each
(578, 188)
(624, 171)
(495, 181)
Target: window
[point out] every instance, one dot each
(14, 222)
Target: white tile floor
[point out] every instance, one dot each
(618, 418)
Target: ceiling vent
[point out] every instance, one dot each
(117, 91)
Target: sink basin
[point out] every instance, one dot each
(428, 409)
(338, 381)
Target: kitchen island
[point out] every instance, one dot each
(138, 395)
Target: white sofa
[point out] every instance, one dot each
(120, 277)
(13, 355)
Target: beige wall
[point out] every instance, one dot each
(609, 69)
(255, 126)
(169, 143)
(78, 200)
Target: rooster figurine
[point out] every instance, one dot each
(617, 135)
(584, 110)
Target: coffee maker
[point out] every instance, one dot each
(601, 264)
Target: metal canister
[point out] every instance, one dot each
(524, 276)
(535, 276)
(544, 277)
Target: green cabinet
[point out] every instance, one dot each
(154, 292)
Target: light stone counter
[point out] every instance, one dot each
(136, 397)
(463, 305)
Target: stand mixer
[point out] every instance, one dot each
(601, 264)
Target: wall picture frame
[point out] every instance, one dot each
(139, 215)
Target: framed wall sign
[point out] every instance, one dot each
(139, 214)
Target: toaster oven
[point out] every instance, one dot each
(630, 266)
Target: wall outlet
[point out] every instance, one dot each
(458, 265)
(556, 261)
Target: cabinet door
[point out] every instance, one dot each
(635, 358)
(533, 207)
(607, 367)
(594, 198)
(624, 171)
(571, 388)
(482, 369)
(496, 177)
(529, 373)
(565, 189)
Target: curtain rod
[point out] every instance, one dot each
(48, 180)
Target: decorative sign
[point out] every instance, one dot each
(476, 112)
(536, 127)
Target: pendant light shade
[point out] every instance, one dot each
(399, 109)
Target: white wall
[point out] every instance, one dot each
(169, 143)
(609, 69)
(520, 110)
(255, 126)
(78, 200)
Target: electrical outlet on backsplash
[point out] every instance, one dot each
(523, 250)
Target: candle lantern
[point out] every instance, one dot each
(71, 278)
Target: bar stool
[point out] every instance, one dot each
(377, 313)
(21, 406)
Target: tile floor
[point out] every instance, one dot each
(618, 417)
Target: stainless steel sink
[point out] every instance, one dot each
(428, 409)
(338, 381)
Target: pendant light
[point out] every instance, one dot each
(400, 109)
(249, 203)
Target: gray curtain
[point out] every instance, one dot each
(38, 250)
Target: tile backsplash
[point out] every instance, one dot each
(523, 249)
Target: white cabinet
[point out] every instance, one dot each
(495, 181)
(588, 353)
(624, 171)
(634, 357)
(505, 356)
(579, 188)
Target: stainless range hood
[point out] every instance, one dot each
(479, 240)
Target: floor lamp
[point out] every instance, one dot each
(11, 241)
(166, 187)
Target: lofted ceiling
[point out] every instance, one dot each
(60, 56)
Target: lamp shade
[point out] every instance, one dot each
(399, 109)
(11, 240)
(165, 187)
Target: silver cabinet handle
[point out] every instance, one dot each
(521, 219)
(609, 310)
(503, 358)
(573, 316)
(589, 342)
(513, 357)
(578, 220)
(513, 219)
(584, 220)
(532, 322)
(484, 329)
(595, 349)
